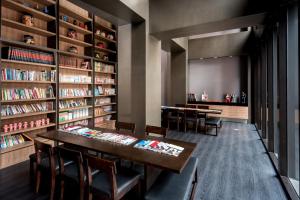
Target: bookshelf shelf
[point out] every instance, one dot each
(77, 28)
(29, 46)
(28, 82)
(76, 69)
(105, 50)
(74, 108)
(26, 100)
(108, 113)
(99, 37)
(20, 26)
(75, 120)
(105, 61)
(75, 15)
(105, 72)
(28, 129)
(74, 41)
(105, 84)
(77, 97)
(105, 27)
(74, 54)
(106, 95)
(16, 147)
(46, 2)
(27, 115)
(106, 104)
(27, 63)
(72, 83)
(22, 8)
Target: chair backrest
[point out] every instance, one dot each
(43, 150)
(156, 130)
(70, 154)
(203, 107)
(180, 105)
(191, 113)
(106, 166)
(126, 126)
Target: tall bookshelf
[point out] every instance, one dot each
(66, 64)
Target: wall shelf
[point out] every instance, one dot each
(75, 120)
(74, 41)
(27, 130)
(26, 115)
(74, 108)
(77, 28)
(22, 8)
(27, 63)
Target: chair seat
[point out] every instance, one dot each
(174, 118)
(213, 121)
(174, 186)
(191, 119)
(124, 178)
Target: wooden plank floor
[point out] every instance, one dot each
(232, 166)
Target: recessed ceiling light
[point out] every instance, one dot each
(215, 57)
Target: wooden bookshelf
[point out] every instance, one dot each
(44, 34)
(22, 8)
(50, 35)
(28, 129)
(77, 28)
(30, 29)
(26, 115)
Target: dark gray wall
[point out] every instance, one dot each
(165, 78)
(218, 76)
(177, 18)
(225, 45)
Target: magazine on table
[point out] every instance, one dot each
(160, 147)
(105, 136)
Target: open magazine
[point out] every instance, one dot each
(160, 147)
(105, 136)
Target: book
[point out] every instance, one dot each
(11, 140)
(27, 93)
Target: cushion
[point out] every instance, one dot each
(213, 121)
(174, 186)
(101, 184)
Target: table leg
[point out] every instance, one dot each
(151, 174)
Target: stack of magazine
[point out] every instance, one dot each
(160, 147)
(105, 136)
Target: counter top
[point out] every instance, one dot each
(217, 103)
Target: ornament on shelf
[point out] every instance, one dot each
(103, 34)
(227, 98)
(45, 10)
(64, 18)
(110, 36)
(75, 22)
(20, 125)
(72, 33)
(105, 57)
(27, 19)
(25, 125)
(101, 45)
(28, 39)
(73, 49)
(97, 55)
(81, 25)
(204, 96)
(244, 98)
(5, 128)
(85, 65)
(31, 124)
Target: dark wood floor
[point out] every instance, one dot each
(233, 165)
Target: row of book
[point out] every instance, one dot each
(76, 123)
(22, 75)
(68, 61)
(103, 67)
(104, 136)
(160, 147)
(72, 103)
(9, 110)
(11, 140)
(74, 92)
(74, 114)
(104, 80)
(27, 93)
(103, 119)
(101, 101)
(103, 110)
(75, 78)
(26, 55)
(100, 90)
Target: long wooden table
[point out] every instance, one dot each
(200, 110)
(151, 160)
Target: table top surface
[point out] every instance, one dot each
(129, 152)
(212, 111)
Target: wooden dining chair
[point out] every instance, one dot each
(125, 126)
(202, 117)
(74, 172)
(45, 161)
(156, 130)
(107, 183)
(175, 116)
(191, 116)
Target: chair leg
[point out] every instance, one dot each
(217, 130)
(177, 125)
(62, 188)
(197, 126)
(52, 187)
(37, 181)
